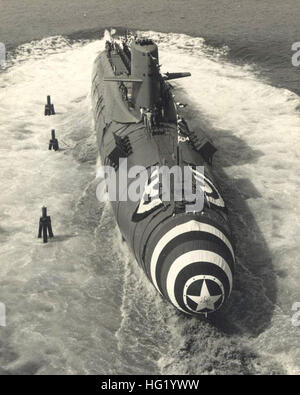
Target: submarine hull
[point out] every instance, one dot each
(188, 256)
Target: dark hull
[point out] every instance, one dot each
(181, 253)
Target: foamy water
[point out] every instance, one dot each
(80, 304)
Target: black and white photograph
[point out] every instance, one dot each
(149, 208)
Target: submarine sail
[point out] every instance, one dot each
(186, 254)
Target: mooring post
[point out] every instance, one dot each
(45, 226)
(49, 107)
(53, 142)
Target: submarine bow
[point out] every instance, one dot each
(190, 262)
(188, 256)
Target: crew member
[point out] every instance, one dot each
(124, 91)
(149, 118)
(142, 111)
(156, 116)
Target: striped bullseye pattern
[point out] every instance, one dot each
(192, 265)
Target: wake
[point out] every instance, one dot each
(96, 300)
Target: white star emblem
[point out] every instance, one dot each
(205, 300)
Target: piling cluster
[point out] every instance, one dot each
(53, 142)
(49, 107)
(45, 227)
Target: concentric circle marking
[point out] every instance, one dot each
(189, 258)
(185, 228)
(195, 297)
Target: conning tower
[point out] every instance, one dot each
(145, 67)
(148, 88)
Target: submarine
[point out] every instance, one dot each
(187, 255)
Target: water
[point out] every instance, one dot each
(259, 32)
(80, 304)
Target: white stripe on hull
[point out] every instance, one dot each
(186, 227)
